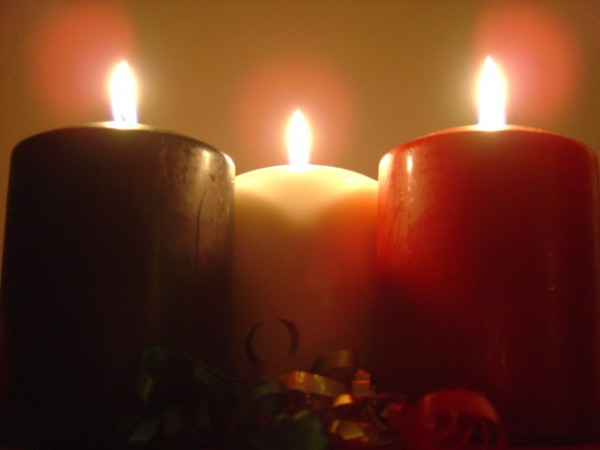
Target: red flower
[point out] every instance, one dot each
(450, 419)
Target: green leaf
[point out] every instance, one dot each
(301, 431)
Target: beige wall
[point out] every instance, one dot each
(369, 74)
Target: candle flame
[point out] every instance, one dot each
(491, 96)
(123, 94)
(299, 139)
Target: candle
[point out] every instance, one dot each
(303, 258)
(487, 267)
(117, 239)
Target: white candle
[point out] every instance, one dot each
(304, 251)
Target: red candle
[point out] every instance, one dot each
(487, 266)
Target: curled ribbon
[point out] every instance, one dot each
(312, 383)
(186, 404)
(257, 362)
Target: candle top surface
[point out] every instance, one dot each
(304, 172)
(303, 191)
(510, 133)
(115, 128)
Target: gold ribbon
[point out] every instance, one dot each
(312, 383)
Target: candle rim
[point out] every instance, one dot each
(310, 168)
(110, 126)
(475, 129)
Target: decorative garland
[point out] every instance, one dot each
(187, 405)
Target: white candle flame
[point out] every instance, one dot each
(491, 96)
(123, 94)
(299, 139)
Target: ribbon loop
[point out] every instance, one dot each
(259, 363)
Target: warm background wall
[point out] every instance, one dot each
(369, 74)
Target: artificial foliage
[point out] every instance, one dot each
(185, 405)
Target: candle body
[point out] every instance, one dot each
(116, 240)
(487, 266)
(304, 251)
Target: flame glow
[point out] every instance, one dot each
(491, 97)
(299, 140)
(123, 94)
